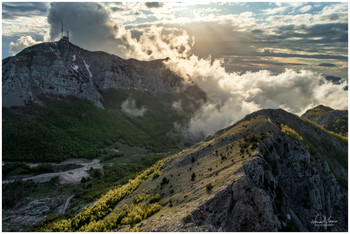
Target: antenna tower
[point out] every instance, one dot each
(62, 28)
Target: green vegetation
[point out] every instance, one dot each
(252, 141)
(92, 218)
(335, 121)
(209, 187)
(193, 176)
(21, 168)
(17, 190)
(116, 173)
(316, 126)
(78, 129)
(290, 132)
(155, 198)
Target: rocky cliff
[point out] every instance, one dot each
(271, 171)
(62, 68)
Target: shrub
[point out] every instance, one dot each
(209, 187)
(139, 198)
(290, 132)
(165, 181)
(155, 198)
(193, 176)
(155, 175)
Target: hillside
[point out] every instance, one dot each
(271, 171)
(61, 101)
(332, 120)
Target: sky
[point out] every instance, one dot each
(245, 55)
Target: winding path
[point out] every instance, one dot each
(66, 204)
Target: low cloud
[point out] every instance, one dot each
(154, 4)
(326, 65)
(129, 107)
(231, 96)
(21, 43)
(177, 106)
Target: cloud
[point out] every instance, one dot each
(12, 10)
(232, 95)
(89, 24)
(305, 8)
(156, 43)
(177, 106)
(326, 65)
(154, 4)
(129, 107)
(21, 43)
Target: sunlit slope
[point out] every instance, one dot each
(332, 120)
(270, 171)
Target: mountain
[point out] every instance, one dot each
(62, 68)
(271, 171)
(61, 102)
(332, 120)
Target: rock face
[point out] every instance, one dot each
(61, 68)
(276, 185)
(332, 120)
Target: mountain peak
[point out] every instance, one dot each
(64, 69)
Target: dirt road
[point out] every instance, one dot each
(73, 176)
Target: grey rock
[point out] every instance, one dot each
(61, 68)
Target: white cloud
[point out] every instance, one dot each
(305, 8)
(231, 95)
(129, 107)
(21, 43)
(36, 25)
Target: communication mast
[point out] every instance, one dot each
(64, 38)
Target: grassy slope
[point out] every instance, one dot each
(337, 120)
(78, 129)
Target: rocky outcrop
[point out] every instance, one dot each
(61, 68)
(279, 186)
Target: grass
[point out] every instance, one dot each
(316, 126)
(78, 129)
